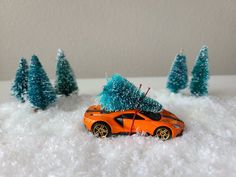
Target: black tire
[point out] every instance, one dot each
(101, 130)
(163, 133)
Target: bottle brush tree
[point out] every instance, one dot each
(19, 86)
(200, 74)
(40, 91)
(65, 79)
(178, 75)
(120, 94)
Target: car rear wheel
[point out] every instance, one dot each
(163, 133)
(101, 130)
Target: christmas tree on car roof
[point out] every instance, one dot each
(120, 94)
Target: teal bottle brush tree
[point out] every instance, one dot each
(65, 79)
(200, 74)
(19, 86)
(120, 94)
(40, 91)
(178, 75)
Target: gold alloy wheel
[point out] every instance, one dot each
(101, 130)
(163, 133)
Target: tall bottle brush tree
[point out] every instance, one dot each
(65, 79)
(19, 86)
(120, 94)
(200, 74)
(40, 91)
(178, 75)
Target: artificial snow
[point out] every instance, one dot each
(54, 143)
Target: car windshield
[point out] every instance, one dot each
(152, 115)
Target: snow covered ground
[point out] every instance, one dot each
(55, 143)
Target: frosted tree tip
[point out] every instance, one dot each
(22, 60)
(34, 57)
(204, 47)
(35, 60)
(60, 53)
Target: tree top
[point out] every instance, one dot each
(203, 51)
(35, 60)
(60, 53)
(23, 60)
(204, 48)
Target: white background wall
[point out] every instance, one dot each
(132, 37)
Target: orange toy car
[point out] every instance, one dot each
(164, 125)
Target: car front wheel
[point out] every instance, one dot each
(101, 130)
(163, 133)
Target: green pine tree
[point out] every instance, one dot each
(40, 91)
(65, 79)
(19, 86)
(178, 76)
(200, 74)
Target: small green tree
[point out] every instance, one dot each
(65, 79)
(40, 91)
(120, 94)
(19, 86)
(200, 74)
(178, 75)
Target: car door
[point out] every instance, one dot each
(125, 121)
(140, 124)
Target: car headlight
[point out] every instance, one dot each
(176, 126)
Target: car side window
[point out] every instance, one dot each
(131, 116)
(127, 116)
(151, 115)
(119, 119)
(138, 117)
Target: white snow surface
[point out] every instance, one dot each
(54, 143)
